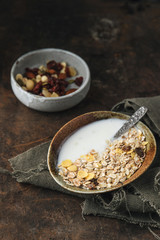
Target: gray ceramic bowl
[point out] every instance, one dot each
(82, 120)
(40, 57)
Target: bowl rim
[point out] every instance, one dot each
(93, 192)
(84, 84)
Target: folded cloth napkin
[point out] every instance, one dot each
(136, 203)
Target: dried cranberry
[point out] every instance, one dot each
(35, 70)
(51, 79)
(56, 81)
(55, 88)
(59, 67)
(64, 83)
(47, 86)
(54, 65)
(68, 72)
(51, 82)
(37, 88)
(78, 81)
(50, 90)
(139, 151)
(51, 64)
(61, 93)
(62, 88)
(46, 74)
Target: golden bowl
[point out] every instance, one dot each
(81, 121)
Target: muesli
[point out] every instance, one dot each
(120, 160)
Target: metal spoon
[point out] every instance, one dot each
(131, 122)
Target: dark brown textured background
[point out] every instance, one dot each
(120, 41)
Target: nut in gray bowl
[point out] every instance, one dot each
(40, 57)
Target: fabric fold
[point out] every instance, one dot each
(152, 119)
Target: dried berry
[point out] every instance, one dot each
(37, 89)
(51, 65)
(139, 151)
(78, 81)
(67, 72)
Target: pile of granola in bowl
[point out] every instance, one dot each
(122, 161)
(118, 162)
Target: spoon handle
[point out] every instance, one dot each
(131, 121)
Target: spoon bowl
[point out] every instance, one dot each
(131, 122)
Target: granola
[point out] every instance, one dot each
(120, 160)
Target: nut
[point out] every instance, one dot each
(72, 71)
(29, 85)
(46, 93)
(71, 91)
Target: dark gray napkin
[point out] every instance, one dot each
(137, 203)
(152, 118)
(31, 167)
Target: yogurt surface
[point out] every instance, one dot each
(91, 136)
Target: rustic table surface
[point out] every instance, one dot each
(120, 41)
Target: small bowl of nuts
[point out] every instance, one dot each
(50, 80)
(82, 158)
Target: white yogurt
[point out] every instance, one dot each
(91, 136)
